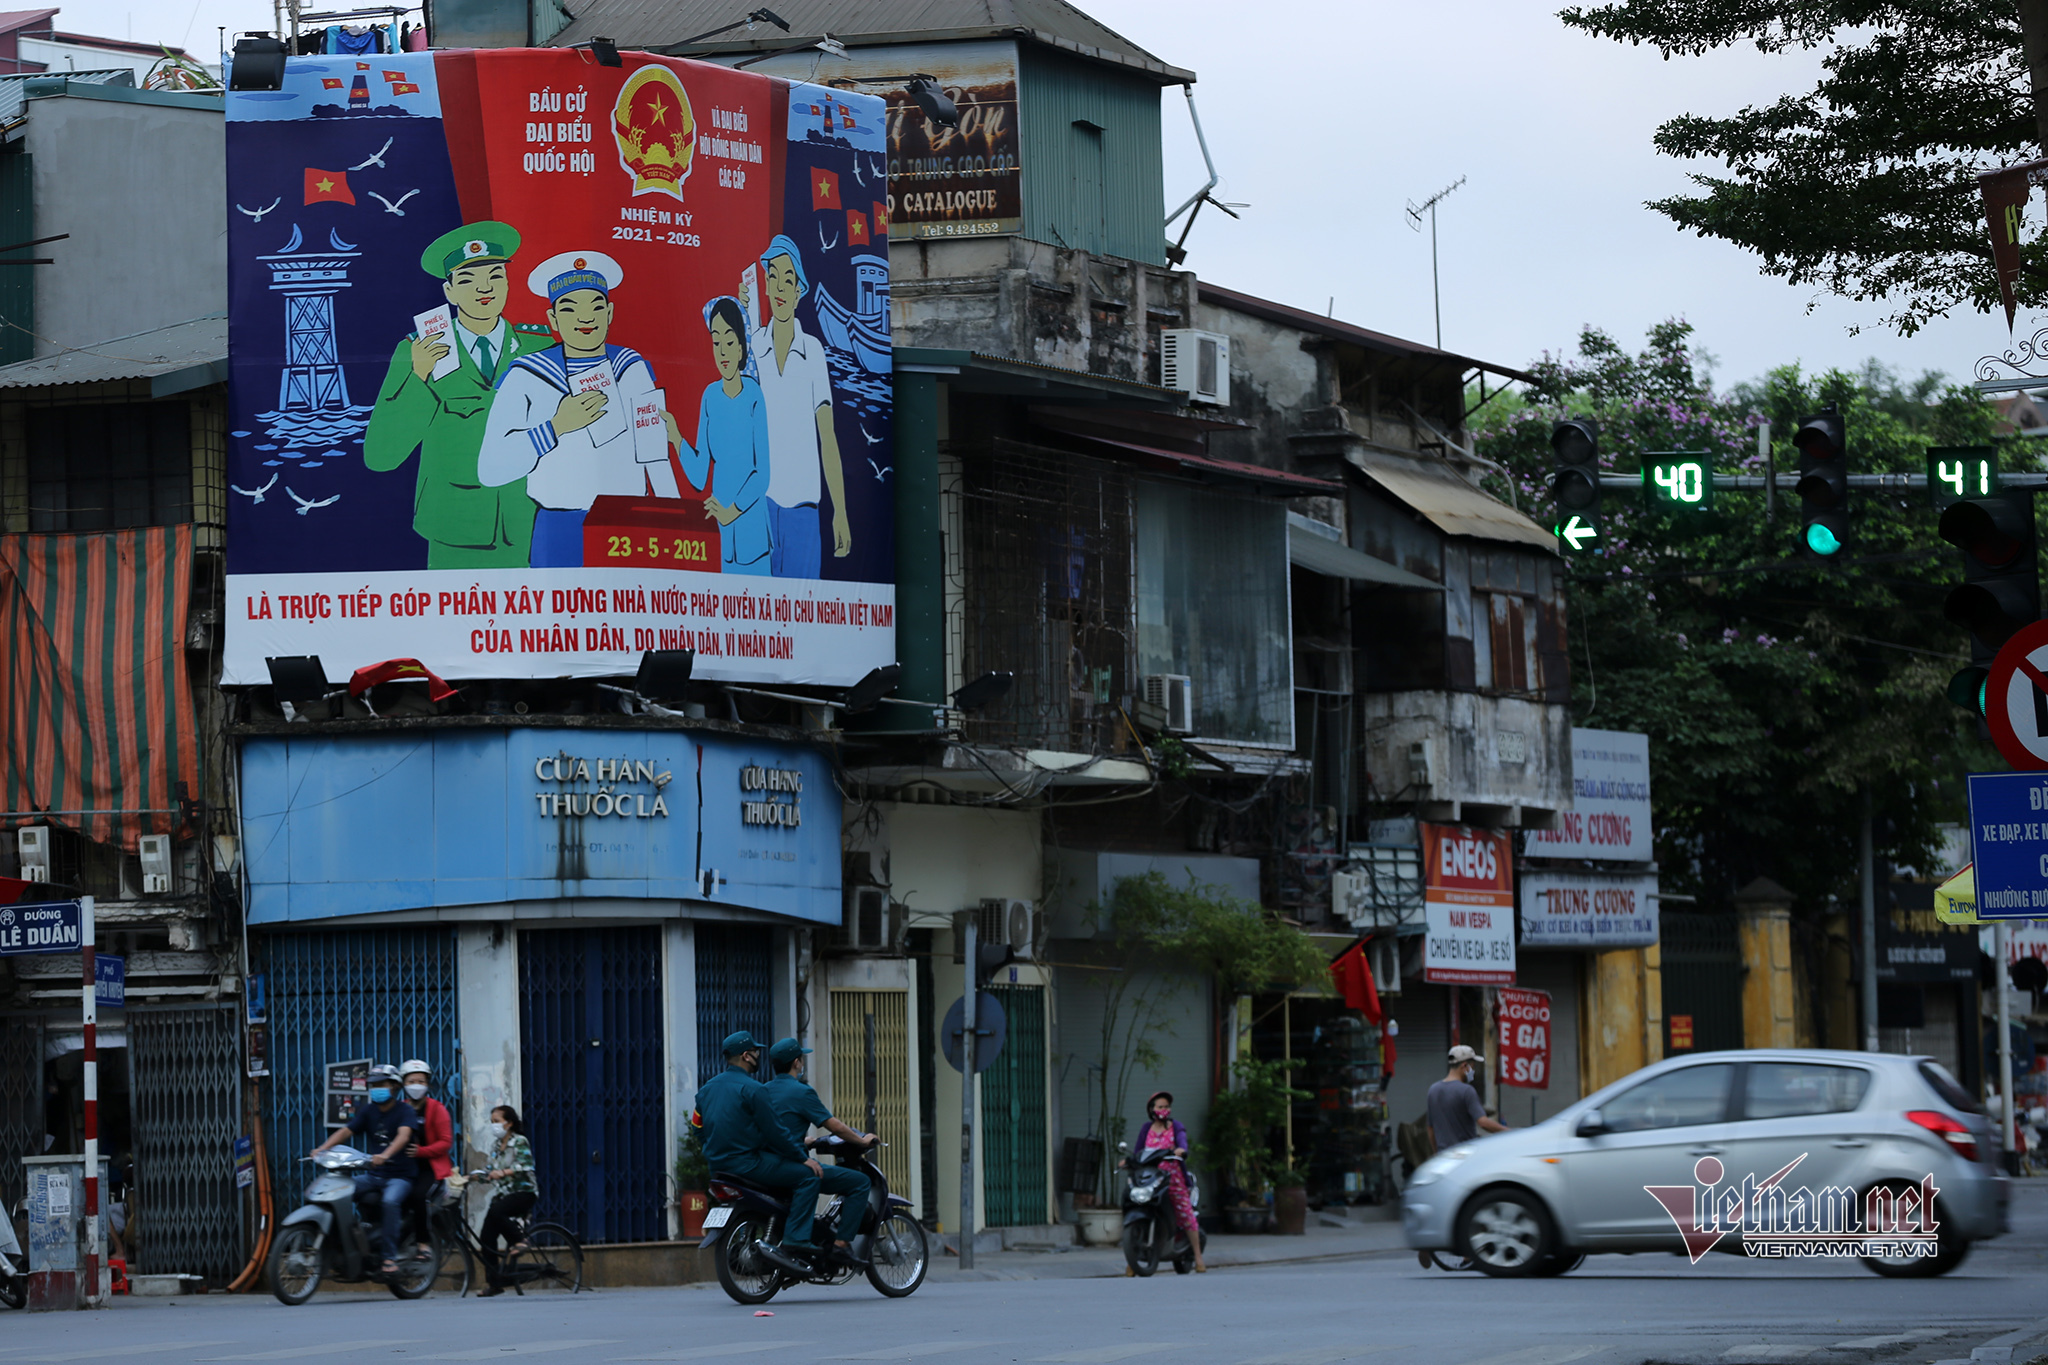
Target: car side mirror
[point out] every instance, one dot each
(1591, 1124)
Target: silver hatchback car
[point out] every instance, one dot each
(1657, 1162)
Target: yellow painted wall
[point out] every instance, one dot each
(1764, 931)
(1621, 1021)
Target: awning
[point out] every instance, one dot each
(1174, 445)
(1209, 470)
(176, 359)
(96, 719)
(1318, 549)
(1955, 900)
(1435, 490)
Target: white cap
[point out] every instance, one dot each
(572, 270)
(407, 1068)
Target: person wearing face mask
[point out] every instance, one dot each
(389, 1123)
(430, 1146)
(517, 1193)
(797, 1106)
(1161, 1129)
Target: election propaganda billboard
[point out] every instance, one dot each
(538, 364)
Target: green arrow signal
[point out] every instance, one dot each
(1577, 532)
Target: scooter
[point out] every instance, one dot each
(1151, 1225)
(745, 1222)
(13, 1268)
(325, 1237)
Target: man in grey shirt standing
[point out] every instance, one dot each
(1455, 1113)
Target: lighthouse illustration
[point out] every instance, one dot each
(313, 412)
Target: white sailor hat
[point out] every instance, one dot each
(559, 275)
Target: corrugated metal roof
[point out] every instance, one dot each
(186, 355)
(1448, 503)
(14, 87)
(1321, 549)
(657, 24)
(1345, 331)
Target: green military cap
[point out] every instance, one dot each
(736, 1043)
(470, 244)
(786, 1051)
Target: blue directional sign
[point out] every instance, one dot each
(109, 981)
(2009, 844)
(45, 928)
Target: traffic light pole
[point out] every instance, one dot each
(970, 1048)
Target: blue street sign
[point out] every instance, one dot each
(110, 981)
(2009, 844)
(51, 927)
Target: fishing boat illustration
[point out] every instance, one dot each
(864, 328)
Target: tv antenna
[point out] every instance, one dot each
(1415, 212)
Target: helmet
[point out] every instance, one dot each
(407, 1068)
(384, 1071)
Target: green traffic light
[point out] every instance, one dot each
(1821, 540)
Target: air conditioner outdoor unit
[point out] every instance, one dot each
(1013, 923)
(1196, 363)
(32, 842)
(870, 924)
(155, 852)
(1176, 693)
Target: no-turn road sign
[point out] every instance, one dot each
(2016, 698)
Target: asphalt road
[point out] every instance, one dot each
(1381, 1308)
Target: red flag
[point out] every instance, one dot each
(327, 187)
(12, 889)
(881, 212)
(405, 88)
(362, 66)
(331, 82)
(856, 228)
(398, 670)
(824, 190)
(395, 76)
(1351, 974)
(2005, 203)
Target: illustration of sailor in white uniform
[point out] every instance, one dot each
(563, 418)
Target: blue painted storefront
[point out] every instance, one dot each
(341, 825)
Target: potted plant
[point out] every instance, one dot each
(1237, 1150)
(1290, 1202)
(693, 1180)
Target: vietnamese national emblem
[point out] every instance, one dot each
(656, 133)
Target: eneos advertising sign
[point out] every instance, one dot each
(1468, 901)
(539, 364)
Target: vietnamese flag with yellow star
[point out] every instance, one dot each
(328, 187)
(881, 219)
(856, 228)
(824, 190)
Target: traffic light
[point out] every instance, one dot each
(1823, 485)
(2001, 587)
(1575, 481)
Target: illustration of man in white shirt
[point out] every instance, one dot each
(802, 445)
(562, 418)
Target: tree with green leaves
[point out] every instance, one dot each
(1776, 688)
(1865, 185)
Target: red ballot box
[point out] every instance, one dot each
(650, 533)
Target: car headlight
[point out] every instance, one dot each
(1439, 1166)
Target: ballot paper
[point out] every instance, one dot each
(438, 324)
(612, 423)
(650, 433)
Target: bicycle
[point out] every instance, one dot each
(545, 1256)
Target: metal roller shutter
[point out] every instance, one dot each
(735, 988)
(185, 1070)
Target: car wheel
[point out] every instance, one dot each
(1950, 1251)
(1506, 1233)
(1562, 1262)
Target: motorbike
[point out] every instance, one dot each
(1152, 1230)
(745, 1222)
(13, 1267)
(327, 1238)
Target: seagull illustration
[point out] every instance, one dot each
(881, 471)
(256, 215)
(376, 157)
(390, 206)
(821, 239)
(256, 493)
(856, 172)
(306, 504)
(872, 440)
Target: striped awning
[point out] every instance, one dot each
(96, 718)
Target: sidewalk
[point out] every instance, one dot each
(1320, 1243)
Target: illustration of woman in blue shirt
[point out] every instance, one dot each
(732, 444)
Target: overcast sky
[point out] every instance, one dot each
(1332, 116)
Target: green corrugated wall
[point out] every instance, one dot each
(1099, 186)
(17, 282)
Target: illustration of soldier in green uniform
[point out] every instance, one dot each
(437, 393)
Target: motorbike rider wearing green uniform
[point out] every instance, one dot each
(743, 1138)
(797, 1107)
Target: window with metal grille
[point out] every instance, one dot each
(109, 466)
(1047, 562)
(871, 1074)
